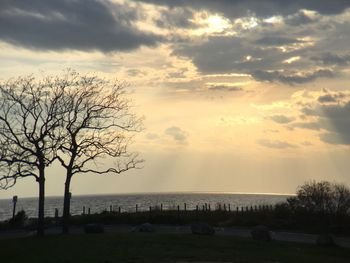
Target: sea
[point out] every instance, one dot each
(128, 202)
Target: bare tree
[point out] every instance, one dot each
(29, 113)
(98, 124)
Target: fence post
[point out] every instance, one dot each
(229, 207)
(89, 211)
(110, 209)
(83, 210)
(119, 210)
(209, 207)
(161, 207)
(14, 201)
(185, 206)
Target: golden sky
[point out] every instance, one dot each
(238, 96)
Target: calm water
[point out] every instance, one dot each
(127, 202)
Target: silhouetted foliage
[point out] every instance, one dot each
(321, 198)
(75, 119)
(29, 113)
(19, 219)
(98, 123)
(282, 210)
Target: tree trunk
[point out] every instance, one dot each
(41, 216)
(66, 206)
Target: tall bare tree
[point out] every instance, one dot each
(99, 123)
(29, 113)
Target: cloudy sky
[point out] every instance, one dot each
(238, 95)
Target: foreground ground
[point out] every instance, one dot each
(157, 247)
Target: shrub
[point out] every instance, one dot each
(282, 210)
(321, 198)
(19, 219)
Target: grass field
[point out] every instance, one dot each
(143, 247)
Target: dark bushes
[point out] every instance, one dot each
(19, 219)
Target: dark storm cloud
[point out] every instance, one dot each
(223, 54)
(71, 24)
(215, 55)
(326, 98)
(275, 144)
(281, 119)
(176, 17)
(222, 87)
(335, 119)
(133, 72)
(299, 18)
(266, 8)
(177, 134)
(331, 97)
(276, 41)
(336, 138)
(333, 59)
(306, 125)
(293, 78)
(265, 51)
(332, 118)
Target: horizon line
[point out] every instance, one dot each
(168, 192)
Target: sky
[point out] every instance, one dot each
(238, 95)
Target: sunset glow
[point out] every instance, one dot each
(237, 97)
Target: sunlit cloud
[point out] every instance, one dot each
(243, 85)
(291, 60)
(211, 24)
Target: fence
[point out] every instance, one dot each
(184, 208)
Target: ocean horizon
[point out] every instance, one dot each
(128, 201)
(156, 193)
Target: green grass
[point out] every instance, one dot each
(144, 247)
